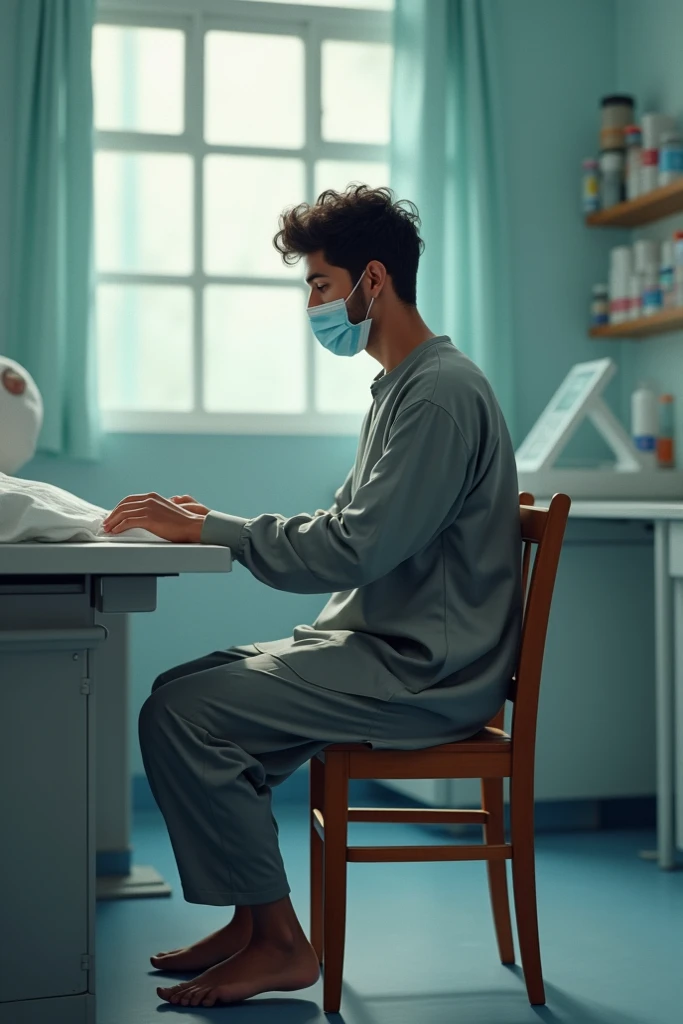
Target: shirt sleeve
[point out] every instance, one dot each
(417, 484)
(341, 498)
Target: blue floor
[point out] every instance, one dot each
(420, 942)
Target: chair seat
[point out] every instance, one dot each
(487, 741)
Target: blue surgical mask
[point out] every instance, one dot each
(331, 325)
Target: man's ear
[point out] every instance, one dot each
(377, 274)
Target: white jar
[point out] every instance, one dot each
(666, 274)
(678, 269)
(612, 177)
(634, 161)
(652, 292)
(646, 254)
(635, 297)
(670, 158)
(620, 270)
(645, 423)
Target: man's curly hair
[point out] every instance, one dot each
(353, 227)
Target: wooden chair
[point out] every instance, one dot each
(492, 755)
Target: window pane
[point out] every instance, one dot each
(343, 385)
(255, 349)
(356, 89)
(143, 212)
(243, 199)
(254, 90)
(144, 343)
(337, 174)
(138, 79)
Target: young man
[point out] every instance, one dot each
(421, 552)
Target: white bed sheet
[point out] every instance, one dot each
(31, 510)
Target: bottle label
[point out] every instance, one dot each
(671, 159)
(665, 451)
(645, 442)
(652, 298)
(650, 157)
(666, 278)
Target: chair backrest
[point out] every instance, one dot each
(542, 533)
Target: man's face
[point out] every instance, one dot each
(328, 283)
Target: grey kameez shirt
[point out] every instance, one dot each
(420, 551)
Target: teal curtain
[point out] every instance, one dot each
(51, 296)
(446, 157)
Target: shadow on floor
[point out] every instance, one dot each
(486, 1007)
(284, 1011)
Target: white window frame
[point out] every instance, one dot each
(194, 18)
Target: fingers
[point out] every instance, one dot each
(130, 523)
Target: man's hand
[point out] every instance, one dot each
(161, 516)
(191, 504)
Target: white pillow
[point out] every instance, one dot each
(21, 415)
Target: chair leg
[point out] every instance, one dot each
(317, 800)
(336, 785)
(494, 833)
(524, 886)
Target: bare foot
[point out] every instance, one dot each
(263, 966)
(214, 949)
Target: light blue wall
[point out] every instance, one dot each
(556, 61)
(650, 65)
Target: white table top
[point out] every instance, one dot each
(603, 509)
(112, 558)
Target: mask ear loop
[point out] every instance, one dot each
(353, 290)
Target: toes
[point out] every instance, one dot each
(210, 999)
(173, 994)
(197, 996)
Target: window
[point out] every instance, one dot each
(211, 117)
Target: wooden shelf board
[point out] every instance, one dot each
(667, 320)
(661, 202)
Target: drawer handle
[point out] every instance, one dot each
(80, 639)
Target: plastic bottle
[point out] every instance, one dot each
(645, 423)
(620, 270)
(670, 158)
(652, 292)
(666, 274)
(665, 440)
(612, 177)
(678, 268)
(634, 160)
(600, 305)
(590, 185)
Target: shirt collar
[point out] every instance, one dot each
(385, 380)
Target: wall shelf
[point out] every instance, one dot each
(659, 323)
(661, 202)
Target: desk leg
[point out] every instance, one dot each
(664, 661)
(117, 878)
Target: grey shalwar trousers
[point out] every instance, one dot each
(218, 732)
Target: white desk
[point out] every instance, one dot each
(667, 518)
(52, 600)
